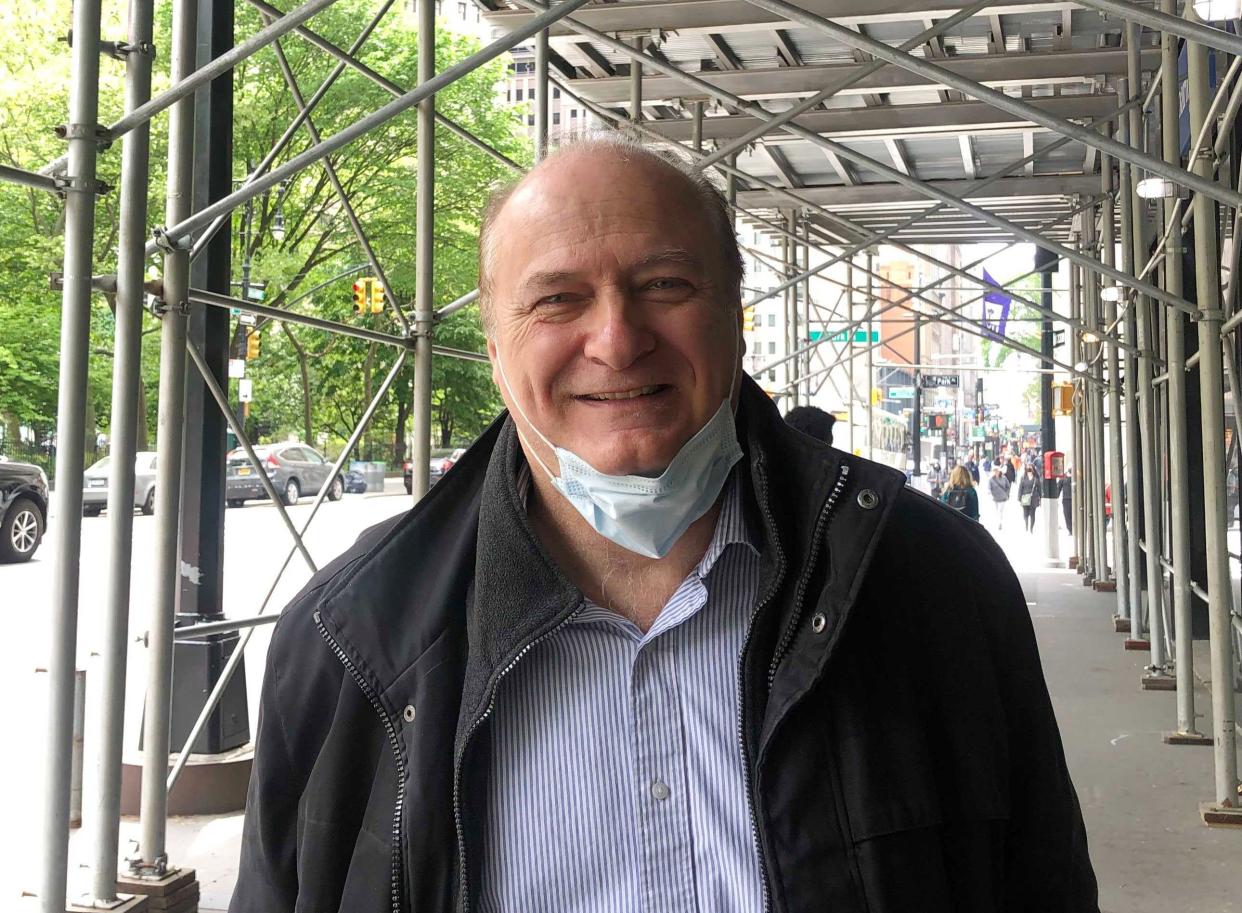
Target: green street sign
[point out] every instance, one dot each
(859, 336)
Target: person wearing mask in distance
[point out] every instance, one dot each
(647, 641)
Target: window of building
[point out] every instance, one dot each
(461, 9)
(771, 347)
(519, 93)
(556, 117)
(530, 120)
(772, 318)
(439, 7)
(573, 115)
(556, 92)
(772, 375)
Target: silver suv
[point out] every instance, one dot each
(295, 469)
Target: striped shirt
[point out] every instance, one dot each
(616, 782)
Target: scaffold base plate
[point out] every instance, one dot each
(125, 904)
(1159, 683)
(165, 890)
(1186, 738)
(1121, 625)
(1214, 815)
(1132, 644)
(1073, 563)
(1105, 586)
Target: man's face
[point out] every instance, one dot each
(610, 312)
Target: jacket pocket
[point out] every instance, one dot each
(887, 780)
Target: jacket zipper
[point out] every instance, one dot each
(820, 525)
(475, 724)
(394, 742)
(741, 698)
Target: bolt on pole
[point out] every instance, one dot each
(82, 135)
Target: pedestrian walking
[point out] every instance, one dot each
(935, 479)
(999, 488)
(961, 494)
(1029, 497)
(1067, 499)
(1011, 469)
(973, 468)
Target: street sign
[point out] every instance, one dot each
(859, 336)
(246, 320)
(245, 390)
(901, 392)
(237, 367)
(928, 381)
(815, 335)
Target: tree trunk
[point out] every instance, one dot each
(398, 435)
(367, 369)
(142, 439)
(306, 393)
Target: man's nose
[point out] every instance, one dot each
(618, 335)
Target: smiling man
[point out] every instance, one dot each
(647, 648)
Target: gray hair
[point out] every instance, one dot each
(716, 208)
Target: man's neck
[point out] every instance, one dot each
(632, 585)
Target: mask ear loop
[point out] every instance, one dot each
(518, 406)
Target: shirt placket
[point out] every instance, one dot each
(660, 781)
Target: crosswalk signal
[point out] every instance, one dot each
(253, 345)
(377, 295)
(360, 297)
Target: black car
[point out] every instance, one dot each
(23, 510)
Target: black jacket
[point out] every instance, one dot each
(901, 757)
(1033, 486)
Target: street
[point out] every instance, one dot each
(256, 543)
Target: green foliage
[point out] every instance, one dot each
(306, 381)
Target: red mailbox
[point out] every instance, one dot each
(1054, 464)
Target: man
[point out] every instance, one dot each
(645, 647)
(813, 421)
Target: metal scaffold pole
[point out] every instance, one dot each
(1142, 386)
(1116, 473)
(1124, 501)
(1212, 402)
(1095, 394)
(870, 360)
(541, 95)
(1179, 472)
(849, 349)
(82, 132)
(424, 287)
(167, 569)
(126, 377)
(1077, 449)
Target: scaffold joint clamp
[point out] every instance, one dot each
(97, 133)
(167, 243)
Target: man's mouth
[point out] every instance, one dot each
(632, 393)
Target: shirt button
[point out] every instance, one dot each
(408, 713)
(660, 790)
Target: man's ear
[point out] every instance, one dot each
(491, 354)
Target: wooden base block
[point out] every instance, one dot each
(1105, 586)
(1159, 683)
(1121, 625)
(1088, 580)
(1132, 644)
(176, 892)
(126, 904)
(1186, 738)
(1073, 563)
(1215, 815)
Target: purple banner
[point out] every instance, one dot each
(995, 310)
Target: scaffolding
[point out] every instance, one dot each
(798, 162)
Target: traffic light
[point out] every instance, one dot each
(253, 345)
(377, 296)
(360, 297)
(748, 319)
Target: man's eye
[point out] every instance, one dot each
(559, 298)
(661, 285)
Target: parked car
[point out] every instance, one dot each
(441, 462)
(355, 482)
(95, 484)
(295, 469)
(23, 510)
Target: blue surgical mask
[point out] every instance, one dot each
(644, 514)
